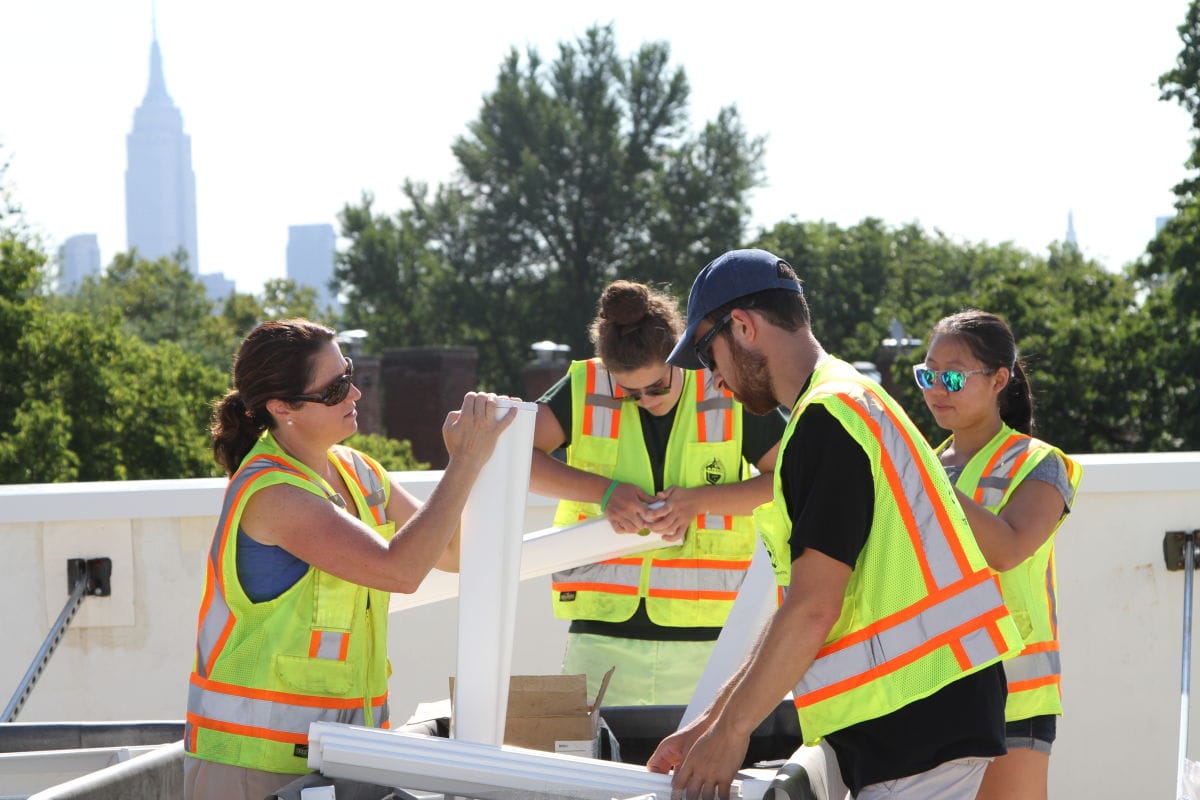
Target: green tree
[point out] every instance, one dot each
(1077, 324)
(81, 399)
(573, 174)
(1169, 273)
(283, 297)
(396, 455)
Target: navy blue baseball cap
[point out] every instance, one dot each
(727, 277)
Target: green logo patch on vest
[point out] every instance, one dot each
(714, 472)
(566, 597)
(300, 751)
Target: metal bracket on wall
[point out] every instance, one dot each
(85, 576)
(95, 572)
(1174, 544)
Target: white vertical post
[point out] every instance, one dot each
(489, 571)
(755, 602)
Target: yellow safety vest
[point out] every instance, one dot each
(1031, 587)
(688, 585)
(264, 671)
(921, 609)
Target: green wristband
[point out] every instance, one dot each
(608, 495)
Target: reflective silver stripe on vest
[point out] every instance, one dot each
(604, 407)
(899, 640)
(714, 406)
(285, 717)
(993, 486)
(896, 457)
(696, 579)
(716, 522)
(382, 713)
(330, 644)
(218, 615)
(1031, 666)
(376, 497)
(613, 574)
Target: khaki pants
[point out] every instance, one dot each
(208, 780)
(954, 780)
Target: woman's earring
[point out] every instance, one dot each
(291, 422)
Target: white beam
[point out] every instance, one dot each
(490, 563)
(542, 553)
(754, 605)
(481, 771)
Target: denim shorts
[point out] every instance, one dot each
(1035, 733)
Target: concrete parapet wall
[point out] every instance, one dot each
(1120, 612)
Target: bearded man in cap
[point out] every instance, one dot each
(892, 628)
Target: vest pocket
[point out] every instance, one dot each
(316, 675)
(711, 463)
(595, 454)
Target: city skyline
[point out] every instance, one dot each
(988, 127)
(160, 185)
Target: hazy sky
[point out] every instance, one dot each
(989, 122)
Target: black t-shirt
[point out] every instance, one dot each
(759, 435)
(830, 495)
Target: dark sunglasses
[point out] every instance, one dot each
(332, 394)
(703, 348)
(952, 379)
(654, 390)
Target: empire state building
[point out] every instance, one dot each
(160, 187)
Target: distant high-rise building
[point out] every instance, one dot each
(1071, 240)
(310, 254)
(216, 285)
(160, 187)
(78, 257)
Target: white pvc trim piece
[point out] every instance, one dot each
(482, 771)
(754, 605)
(542, 553)
(490, 563)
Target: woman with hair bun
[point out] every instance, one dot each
(656, 450)
(1016, 491)
(311, 538)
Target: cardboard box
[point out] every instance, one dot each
(552, 713)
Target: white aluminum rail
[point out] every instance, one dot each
(490, 561)
(542, 553)
(482, 771)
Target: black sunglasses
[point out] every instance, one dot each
(332, 394)
(703, 348)
(654, 390)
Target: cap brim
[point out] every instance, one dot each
(684, 354)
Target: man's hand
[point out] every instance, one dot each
(626, 507)
(709, 766)
(677, 509)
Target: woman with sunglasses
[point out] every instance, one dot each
(311, 538)
(1016, 491)
(657, 450)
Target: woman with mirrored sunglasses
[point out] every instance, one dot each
(657, 450)
(1016, 490)
(311, 538)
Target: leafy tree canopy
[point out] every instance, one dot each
(574, 173)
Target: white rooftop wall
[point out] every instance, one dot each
(128, 656)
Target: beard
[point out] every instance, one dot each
(755, 390)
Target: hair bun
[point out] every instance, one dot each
(624, 303)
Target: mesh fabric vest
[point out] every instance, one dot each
(688, 585)
(921, 608)
(318, 652)
(1030, 588)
